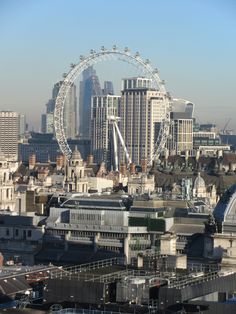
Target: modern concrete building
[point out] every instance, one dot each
(97, 225)
(9, 133)
(141, 111)
(47, 123)
(181, 133)
(102, 108)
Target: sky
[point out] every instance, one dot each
(191, 42)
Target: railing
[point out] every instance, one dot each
(186, 281)
(203, 267)
(109, 277)
(84, 311)
(78, 269)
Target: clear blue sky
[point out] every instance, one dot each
(191, 42)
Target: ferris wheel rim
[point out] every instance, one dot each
(91, 59)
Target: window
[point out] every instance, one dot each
(7, 232)
(29, 233)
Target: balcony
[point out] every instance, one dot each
(81, 240)
(110, 242)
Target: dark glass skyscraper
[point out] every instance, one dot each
(89, 86)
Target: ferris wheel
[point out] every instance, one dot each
(102, 56)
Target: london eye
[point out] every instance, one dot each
(102, 56)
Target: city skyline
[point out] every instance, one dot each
(191, 43)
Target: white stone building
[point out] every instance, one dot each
(7, 197)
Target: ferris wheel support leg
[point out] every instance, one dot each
(115, 147)
(122, 143)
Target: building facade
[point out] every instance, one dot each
(22, 124)
(9, 134)
(141, 111)
(47, 123)
(102, 108)
(45, 147)
(7, 197)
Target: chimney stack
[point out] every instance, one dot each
(132, 168)
(144, 165)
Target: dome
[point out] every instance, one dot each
(199, 183)
(226, 207)
(76, 154)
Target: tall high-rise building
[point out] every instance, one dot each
(102, 108)
(9, 134)
(141, 111)
(70, 112)
(47, 123)
(22, 124)
(89, 86)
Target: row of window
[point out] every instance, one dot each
(26, 233)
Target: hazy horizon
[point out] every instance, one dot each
(192, 43)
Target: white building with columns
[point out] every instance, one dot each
(7, 197)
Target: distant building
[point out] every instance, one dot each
(7, 197)
(70, 112)
(141, 111)
(89, 86)
(181, 128)
(9, 134)
(102, 108)
(22, 124)
(108, 88)
(47, 123)
(76, 180)
(229, 140)
(45, 147)
(209, 127)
